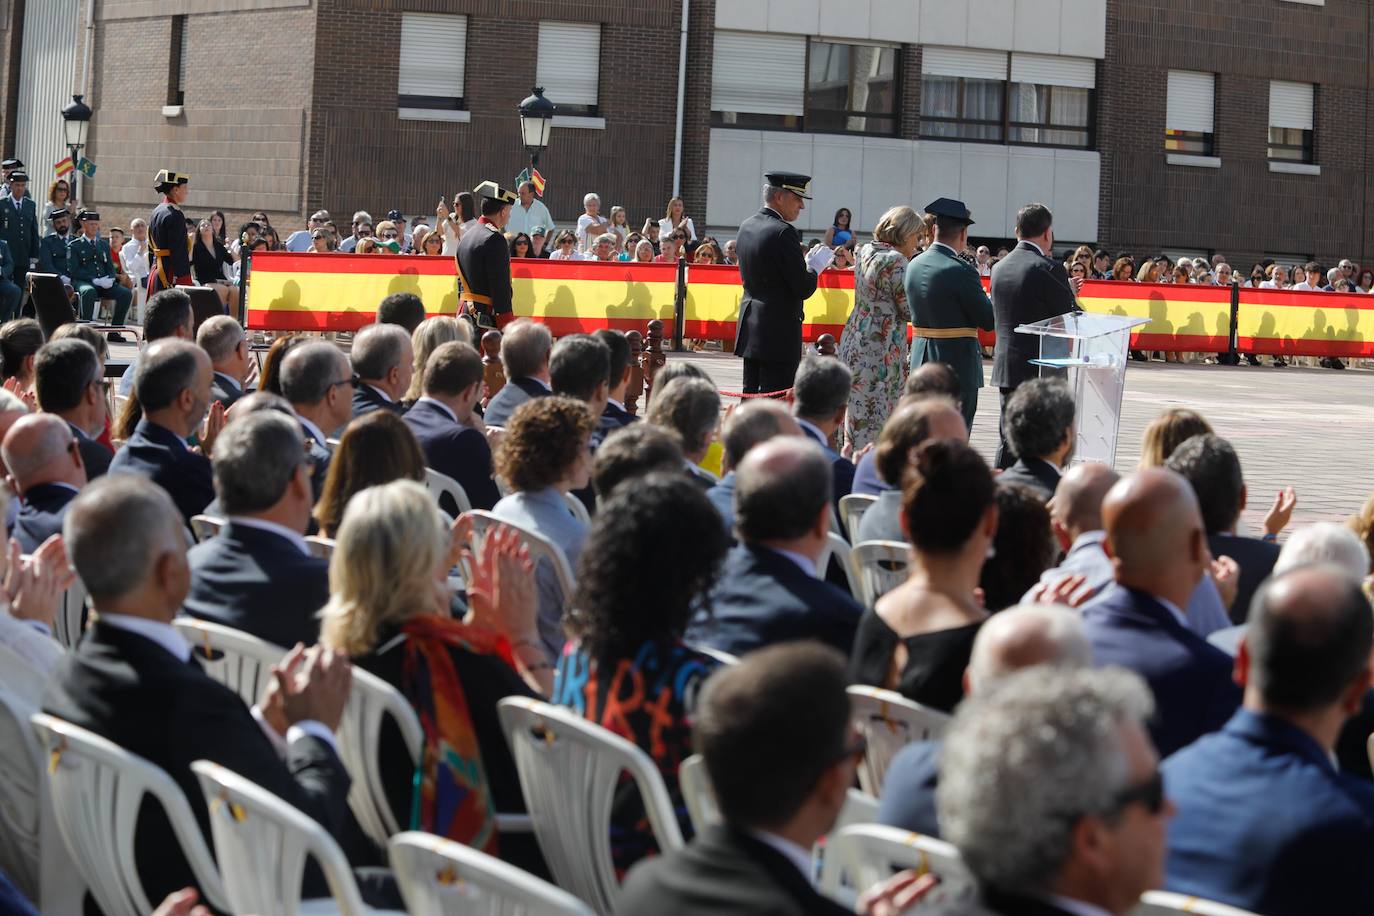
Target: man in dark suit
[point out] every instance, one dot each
(752, 423)
(222, 338)
(70, 384)
(1265, 820)
(19, 228)
(382, 359)
(45, 465)
(1027, 286)
(525, 349)
(777, 281)
(1155, 535)
(449, 430)
(134, 681)
(1211, 465)
(173, 387)
(317, 380)
(615, 415)
(769, 590)
(579, 368)
(820, 396)
(483, 260)
(1039, 423)
(257, 575)
(630, 453)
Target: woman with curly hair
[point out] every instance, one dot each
(628, 670)
(544, 454)
(376, 448)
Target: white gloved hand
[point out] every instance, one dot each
(103, 282)
(819, 258)
(67, 282)
(33, 263)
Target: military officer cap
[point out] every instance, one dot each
(20, 175)
(799, 185)
(167, 179)
(494, 191)
(59, 213)
(88, 216)
(952, 210)
(11, 164)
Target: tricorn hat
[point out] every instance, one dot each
(494, 191)
(167, 179)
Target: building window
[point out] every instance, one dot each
(851, 88)
(176, 63)
(433, 61)
(1189, 113)
(962, 108)
(1291, 119)
(568, 65)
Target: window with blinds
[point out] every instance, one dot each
(569, 65)
(433, 60)
(1189, 113)
(758, 80)
(1292, 115)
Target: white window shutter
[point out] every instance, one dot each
(759, 74)
(1191, 101)
(1053, 70)
(970, 63)
(569, 61)
(433, 54)
(1290, 105)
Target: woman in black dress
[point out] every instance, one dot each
(918, 638)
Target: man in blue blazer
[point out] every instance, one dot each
(614, 416)
(69, 382)
(317, 379)
(383, 360)
(1154, 534)
(257, 575)
(525, 349)
(769, 589)
(1265, 821)
(45, 464)
(820, 396)
(449, 431)
(173, 387)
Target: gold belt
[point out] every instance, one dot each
(945, 333)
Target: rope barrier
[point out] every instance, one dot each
(778, 395)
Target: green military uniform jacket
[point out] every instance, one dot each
(89, 259)
(52, 255)
(948, 307)
(19, 229)
(6, 262)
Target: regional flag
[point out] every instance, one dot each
(86, 167)
(64, 167)
(523, 177)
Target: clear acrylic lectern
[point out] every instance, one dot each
(1090, 349)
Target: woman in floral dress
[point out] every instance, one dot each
(874, 342)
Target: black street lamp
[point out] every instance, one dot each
(536, 121)
(76, 117)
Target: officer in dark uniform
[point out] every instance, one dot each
(93, 270)
(10, 294)
(777, 280)
(7, 168)
(483, 258)
(948, 304)
(168, 250)
(52, 250)
(19, 226)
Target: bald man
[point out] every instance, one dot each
(1018, 638)
(1159, 553)
(46, 469)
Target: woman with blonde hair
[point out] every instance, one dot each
(1167, 432)
(425, 339)
(389, 608)
(673, 219)
(873, 342)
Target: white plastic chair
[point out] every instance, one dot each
(860, 856)
(725, 658)
(569, 769)
(879, 567)
(370, 701)
(241, 662)
(852, 508)
(438, 877)
(888, 721)
(67, 626)
(263, 842)
(96, 789)
(837, 547)
(540, 548)
(321, 547)
(578, 510)
(205, 527)
(1166, 903)
(440, 485)
(697, 792)
(1369, 749)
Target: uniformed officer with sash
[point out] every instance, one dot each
(484, 260)
(93, 270)
(948, 304)
(168, 249)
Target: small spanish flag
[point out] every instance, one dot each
(538, 181)
(64, 167)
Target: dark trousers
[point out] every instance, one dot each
(762, 376)
(1005, 456)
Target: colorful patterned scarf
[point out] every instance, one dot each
(452, 797)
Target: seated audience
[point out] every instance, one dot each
(1039, 423)
(628, 670)
(1266, 822)
(544, 455)
(404, 309)
(45, 467)
(691, 408)
(427, 337)
(371, 452)
(29, 605)
(269, 378)
(258, 575)
(632, 452)
(69, 380)
(579, 368)
(820, 397)
(928, 380)
(918, 637)
(318, 381)
(1156, 540)
(769, 590)
(1166, 432)
(447, 426)
(1022, 549)
(615, 415)
(525, 349)
(381, 358)
(751, 423)
(1051, 792)
(167, 314)
(1016, 639)
(173, 391)
(20, 341)
(914, 423)
(223, 340)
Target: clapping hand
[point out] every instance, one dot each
(20, 390)
(211, 428)
(897, 894)
(34, 587)
(1281, 512)
(500, 586)
(315, 688)
(1068, 591)
(182, 903)
(1226, 575)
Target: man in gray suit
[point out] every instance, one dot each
(525, 349)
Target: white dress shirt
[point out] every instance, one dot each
(439, 404)
(523, 220)
(134, 256)
(314, 431)
(666, 227)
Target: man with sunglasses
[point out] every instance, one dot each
(44, 462)
(318, 381)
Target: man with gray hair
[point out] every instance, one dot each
(769, 589)
(525, 348)
(591, 223)
(382, 359)
(820, 397)
(691, 408)
(47, 471)
(360, 218)
(318, 381)
(258, 575)
(1012, 640)
(221, 337)
(1051, 791)
(752, 423)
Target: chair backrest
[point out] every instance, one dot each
(370, 701)
(1165, 903)
(96, 789)
(879, 567)
(852, 508)
(577, 508)
(205, 527)
(321, 547)
(70, 616)
(441, 485)
(51, 306)
(241, 662)
(837, 547)
(888, 721)
(725, 658)
(569, 771)
(263, 842)
(862, 855)
(698, 793)
(438, 877)
(540, 548)
(21, 797)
